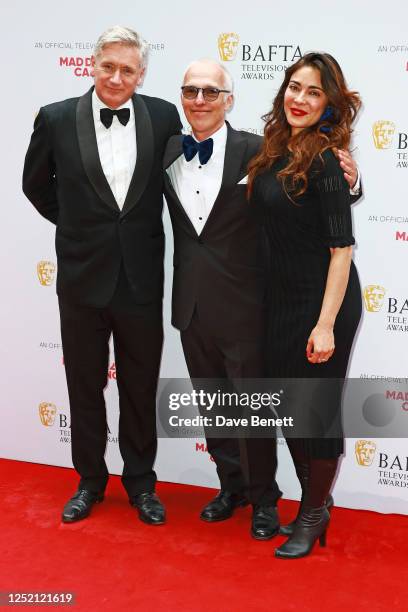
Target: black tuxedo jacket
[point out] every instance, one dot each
(63, 178)
(219, 271)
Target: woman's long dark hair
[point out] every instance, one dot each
(310, 142)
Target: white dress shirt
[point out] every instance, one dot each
(116, 148)
(197, 185)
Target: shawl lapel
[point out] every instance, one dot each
(89, 150)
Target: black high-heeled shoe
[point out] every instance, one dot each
(288, 529)
(310, 526)
(313, 518)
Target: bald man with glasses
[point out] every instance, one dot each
(218, 288)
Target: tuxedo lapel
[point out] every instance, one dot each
(234, 154)
(233, 172)
(173, 151)
(89, 150)
(145, 152)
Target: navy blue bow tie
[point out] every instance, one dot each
(204, 149)
(106, 114)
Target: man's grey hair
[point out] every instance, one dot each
(126, 36)
(228, 82)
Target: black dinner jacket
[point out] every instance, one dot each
(64, 180)
(219, 271)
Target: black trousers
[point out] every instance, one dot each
(137, 332)
(244, 466)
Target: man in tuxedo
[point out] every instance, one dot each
(218, 297)
(94, 168)
(218, 288)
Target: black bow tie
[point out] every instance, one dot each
(123, 114)
(204, 149)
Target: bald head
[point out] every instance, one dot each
(210, 66)
(207, 116)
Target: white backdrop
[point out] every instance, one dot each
(46, 51)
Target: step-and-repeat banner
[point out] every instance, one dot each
(47, 54)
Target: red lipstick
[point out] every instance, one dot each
(298, 112)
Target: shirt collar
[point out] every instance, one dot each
(219, 138)
(97, 105)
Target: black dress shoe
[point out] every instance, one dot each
(222, 506)
(80, 505)
(149, 507)
(265, 522)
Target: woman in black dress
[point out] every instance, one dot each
(303, 200)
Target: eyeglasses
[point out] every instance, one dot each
(210, 94)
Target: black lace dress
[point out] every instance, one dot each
(298, 236)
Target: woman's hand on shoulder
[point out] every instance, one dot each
(348, 166)
(320, 345)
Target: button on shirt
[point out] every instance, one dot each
(116, 148)
(197, 185)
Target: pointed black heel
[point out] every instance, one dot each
(323, 538)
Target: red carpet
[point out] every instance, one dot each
(112, 561)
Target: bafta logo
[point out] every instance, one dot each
(365, 452)
(373, 297)
(46, 272)
(228, 45)
(47, 413)
(383, 132)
